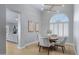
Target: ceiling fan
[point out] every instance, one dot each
(50, 7)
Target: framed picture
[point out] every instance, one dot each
(30, 26)
(37, 27)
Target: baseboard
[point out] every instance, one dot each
(11, 41)
(19, 47)
(71, 44)
(27, 45)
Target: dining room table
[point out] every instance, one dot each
(53, 39)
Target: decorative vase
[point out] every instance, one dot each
(14, 30)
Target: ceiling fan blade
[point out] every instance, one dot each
(49, 7)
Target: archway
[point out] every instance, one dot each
(59, 24)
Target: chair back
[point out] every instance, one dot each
(43, 41)
(64, 40)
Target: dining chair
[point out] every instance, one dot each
(44, 42)
(61, 43)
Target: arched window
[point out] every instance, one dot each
(59, 24)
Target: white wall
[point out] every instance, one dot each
(27, 12)
(67, 10)
(76, 28)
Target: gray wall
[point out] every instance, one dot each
(27, 12)
(76, 28)
(2, 30)
(67, 10)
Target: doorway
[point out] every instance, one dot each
(12, 28)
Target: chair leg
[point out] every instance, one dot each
(63, 48)
(48, 50)
(56, 47)
(39, 48)
(38, 43)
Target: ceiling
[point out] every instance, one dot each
(38, 6)
(48, 7)
(11, 15)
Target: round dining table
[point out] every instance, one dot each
(53, 39)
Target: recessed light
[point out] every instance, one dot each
(42, 9)
(63, 5)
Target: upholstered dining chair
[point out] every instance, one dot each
(61, 43)
(44, 42)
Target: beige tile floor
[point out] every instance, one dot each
(33, 49)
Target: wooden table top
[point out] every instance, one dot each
(53, 38)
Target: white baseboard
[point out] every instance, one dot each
(19, 47)
(27, 45)
(71, 44)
